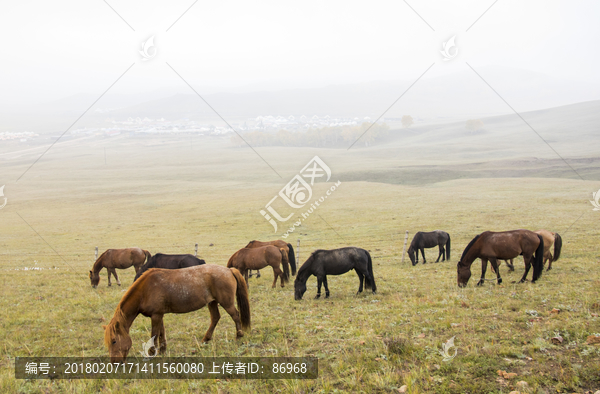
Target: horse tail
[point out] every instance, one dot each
(448, 248)
(370, 283)
(538, 260)
(292, 259)
(242, 299)
(557, 246)
(148, 255)
(285, 261)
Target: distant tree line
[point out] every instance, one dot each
(326, 137)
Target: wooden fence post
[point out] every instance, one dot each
(404, 247)
(298, 253)
(196, 251)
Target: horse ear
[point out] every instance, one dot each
(90, 272)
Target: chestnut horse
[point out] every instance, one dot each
(256, 258)
(504, 245)
(550, 239)
(118, 258)
(159, 291)
(280, 244)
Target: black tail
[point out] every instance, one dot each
(292, 258)
(448, 249)
(538, 260)
(370, 284)
(557, 246)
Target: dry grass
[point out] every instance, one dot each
(365, 343)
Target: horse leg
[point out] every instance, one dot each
(114, 272)
(441, 254)
(163, 338)
(326, 287)
(213, 307)
(235, 315)
(423, 253)
(549, 263)
(319, 282)
(245, 274)
(361, 278)
(483, 269)
(277, 273)
(257, 274)
(527, 260)
(496, 269)
(160, 346)
(511, 266)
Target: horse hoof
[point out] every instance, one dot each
(317, 296)
(499, 281)
(257, 276)
(327, 295)
(480, 283)
(109, 285)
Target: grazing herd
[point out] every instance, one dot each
(183, 283)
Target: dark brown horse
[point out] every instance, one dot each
(279, 244)
(169, 261)
(423, 240)
(159, 291)
(256, 258)
(550, 239)
(118, 258)
(504, 245)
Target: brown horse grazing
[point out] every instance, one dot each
(279, 244)
(118, 258)
(159, 291)
(256, 258)
(504, 245)
(550, 239)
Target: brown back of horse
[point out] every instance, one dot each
(257, 258)
(119, 259)
(159, 291)
(279, 244)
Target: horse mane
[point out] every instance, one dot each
(98, 261)
(119, 316)
(309, 261)
(111, 329)
(464, 253)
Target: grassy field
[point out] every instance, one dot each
(166, 195)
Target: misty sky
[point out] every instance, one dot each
(56, 49)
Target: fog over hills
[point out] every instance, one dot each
(456, 96)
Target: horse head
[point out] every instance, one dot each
(299, 288)
(94, 279)
(411, 255)
(463, 274)
(117, 340)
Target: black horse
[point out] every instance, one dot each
(169, 261)
(335, 262)
(432, 239)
